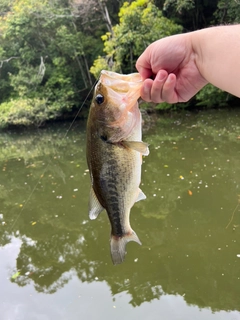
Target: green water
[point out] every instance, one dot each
(55, 262)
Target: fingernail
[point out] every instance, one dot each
(145, 90)
(161, 76)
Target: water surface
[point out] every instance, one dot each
(55, 263)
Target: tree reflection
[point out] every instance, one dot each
(186, 248)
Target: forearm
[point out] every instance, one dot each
(217, 56)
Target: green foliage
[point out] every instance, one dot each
(25, 81)
(180, 5)
(228, 11)
(99, 64)
(211, 96)
(25, 112)
(43, 54)
(191, 14)
(140, 23)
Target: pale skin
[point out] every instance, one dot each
(175, 68)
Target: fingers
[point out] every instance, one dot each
(169, 94)
(146, 90)
(158, 85)
(143, 65)
(161, 89)
(145, 72)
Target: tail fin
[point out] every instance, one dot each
(118, 245)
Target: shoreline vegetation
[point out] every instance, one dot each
(51, 52)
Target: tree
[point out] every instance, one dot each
(140, 23)
(191, 14)
(45, 57)
(228, 11)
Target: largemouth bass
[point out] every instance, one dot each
(114, 155)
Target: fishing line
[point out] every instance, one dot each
(64, 137)
(80, 109)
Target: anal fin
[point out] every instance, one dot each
(141, 196)
(94, 205)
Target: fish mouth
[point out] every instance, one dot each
(122, 93)
(120, 81)
(124, 88)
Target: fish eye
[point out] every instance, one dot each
(99, 99)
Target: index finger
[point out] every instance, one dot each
(143, 66)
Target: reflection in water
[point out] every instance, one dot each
(191, 180)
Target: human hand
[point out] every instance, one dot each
(171, 62)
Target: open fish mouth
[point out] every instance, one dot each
(123, 89)
(112, 78)
(126, 85)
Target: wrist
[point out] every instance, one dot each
(197, 50)
(197, 40)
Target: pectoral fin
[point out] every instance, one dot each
(141, 195)
(139, 146)
(94, 205)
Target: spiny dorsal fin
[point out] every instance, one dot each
(139, 146)
(94, 205)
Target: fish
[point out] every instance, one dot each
(114, 155)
